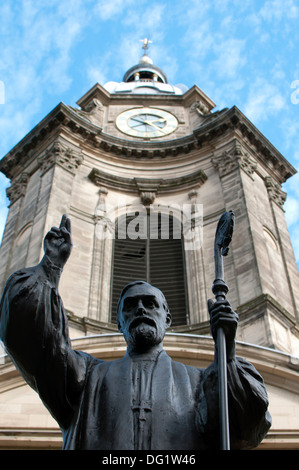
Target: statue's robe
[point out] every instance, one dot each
(131, 403)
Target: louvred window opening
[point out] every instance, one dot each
(151, 249)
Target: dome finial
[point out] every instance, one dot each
(145, 47)
(146, 42)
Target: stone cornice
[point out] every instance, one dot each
(266, 300)
(20, 155)
(147, 185)
(215, 125)
(187, 99)
(96, 92)
(264, 151)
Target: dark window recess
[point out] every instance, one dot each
(145, 76)
(156, 256)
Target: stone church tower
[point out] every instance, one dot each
(144, 169)
(140, 148)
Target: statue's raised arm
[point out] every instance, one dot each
(34, 327)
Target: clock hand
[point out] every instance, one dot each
(137, 118)
(150, 123)
(159, 120)
(140, 120)
(134, 126)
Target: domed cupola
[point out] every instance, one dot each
(145, 78)
(145, 70)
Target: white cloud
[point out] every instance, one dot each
(108, 9)
(230, 57)
(290, 128)
(295, 241)
(292, 186)
(97, 74)
(36, 43)
(291, 207)
(264, 100)
(137, 23)
(277, 10)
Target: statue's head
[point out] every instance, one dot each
(143, 315)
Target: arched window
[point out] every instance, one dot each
(151, 248)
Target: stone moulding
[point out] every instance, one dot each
(264, 304)
(279, 369)
(146, 185)
(67, 119)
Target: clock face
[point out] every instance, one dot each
(146, 122)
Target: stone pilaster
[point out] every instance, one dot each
(99, 296)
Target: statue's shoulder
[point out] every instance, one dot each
(180, 367)
(24, 272)
(19, 278)
(95, 363)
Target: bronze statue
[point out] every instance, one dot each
(144, 400)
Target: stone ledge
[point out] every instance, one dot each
(280, 439)
(30, 439)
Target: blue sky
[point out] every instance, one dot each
(239, 52)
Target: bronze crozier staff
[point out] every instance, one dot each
(223, 238)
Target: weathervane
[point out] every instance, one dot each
(146, 43)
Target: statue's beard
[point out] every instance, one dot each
(143, 333)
